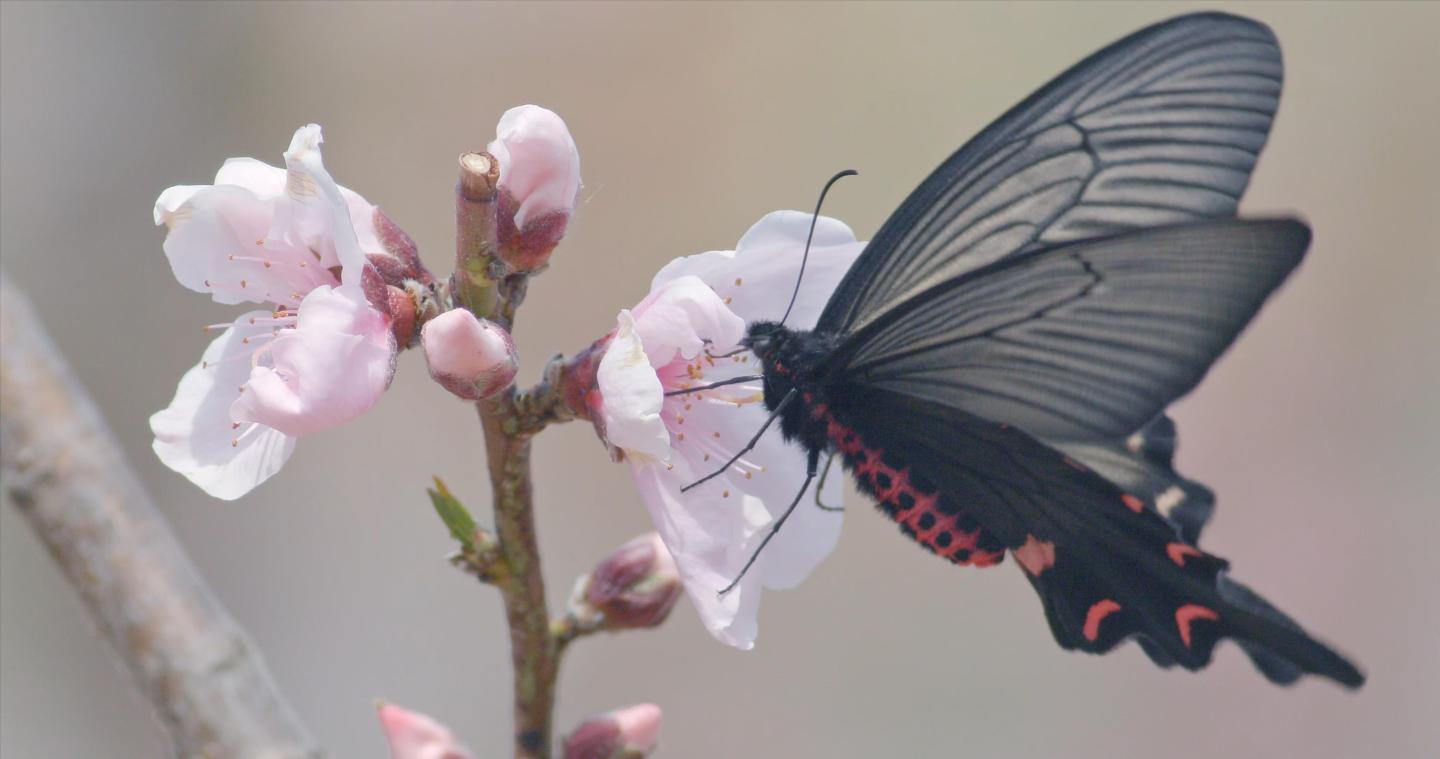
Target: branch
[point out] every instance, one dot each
(67, 476)
(482, 284)
(533, 652)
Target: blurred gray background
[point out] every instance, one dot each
(1320, 430)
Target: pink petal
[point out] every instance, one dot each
(472, 357)
(196, 436)
(640, 726)
(332, 368)
(415, 736)
(631, 397)
(539, 163)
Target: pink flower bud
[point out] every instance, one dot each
(473, 358)
(415, 736)
(628, 733)
(636, 585)
(539, 182)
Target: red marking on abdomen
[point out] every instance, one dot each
(1035, 556)
(1131, 502)
(1189, 613)
(1178, 552)
(1098, 612)
(920, 513)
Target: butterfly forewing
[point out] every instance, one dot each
(1086, 341)
(1159, 128)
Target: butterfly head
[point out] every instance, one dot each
(785, 353)
(765, 339)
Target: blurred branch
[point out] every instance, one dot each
(67, 476)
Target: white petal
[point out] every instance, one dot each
(266, 181)
(215, 246)
(168, 205)
(759, 276)
(362, 219)
(709, 538)
(811, 533)
(680, 316)
(631, 396)
(314, 212)
(195, 435)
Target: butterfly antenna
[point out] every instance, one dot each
(811, 235)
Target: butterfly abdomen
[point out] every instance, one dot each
(791, 360)
(904, 494)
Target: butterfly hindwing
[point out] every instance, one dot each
(1106, 567)
(1162, 127)
(1143, 464)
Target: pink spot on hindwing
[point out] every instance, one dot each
(1095, 615)
(1189, 613)
(1178, 552)
(1035, 556)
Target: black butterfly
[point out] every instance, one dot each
(995, 367)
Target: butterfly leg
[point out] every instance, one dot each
(821, 486)
(779, 407)
(775, 528)
(721, 383)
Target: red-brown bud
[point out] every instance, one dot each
(538, 185)
(635, 586)
(630, 733)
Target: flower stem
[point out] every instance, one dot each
(533, 650)
(481, 284)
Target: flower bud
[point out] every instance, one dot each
(472, 357)
(400, 247)
(635, 586)
(539, 182)
(415, 736)
(629, 733)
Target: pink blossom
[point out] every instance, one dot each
(539, 182)
(471, 357)
(630, 732)
(415, 736)
(320, 356)
(704, 302)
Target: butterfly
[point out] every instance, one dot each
(994, 369)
